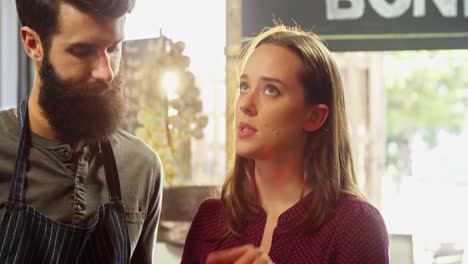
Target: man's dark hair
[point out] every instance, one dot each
(42, 15)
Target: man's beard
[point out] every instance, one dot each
(74, 112)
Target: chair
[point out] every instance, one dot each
(401, 249)
(179, 206)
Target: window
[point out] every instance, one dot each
(204, 38)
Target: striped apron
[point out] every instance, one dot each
(27, 236)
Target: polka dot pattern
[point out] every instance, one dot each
(354, 233)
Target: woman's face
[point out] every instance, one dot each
(271, 112)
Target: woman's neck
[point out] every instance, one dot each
(280, 182)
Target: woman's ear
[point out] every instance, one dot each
(316, 117)
(32, 43)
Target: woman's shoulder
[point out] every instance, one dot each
(210, 214)
(210, 207)
(360, 232)
(211, 203)
(353, 205)
(355, 212)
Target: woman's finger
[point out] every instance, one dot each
(263, 259)
(250, 256)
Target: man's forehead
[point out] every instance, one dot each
(75, 24)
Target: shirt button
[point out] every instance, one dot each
(86, 157)
(63, 153)
(276, 244)
(282, 218)
(78, 207)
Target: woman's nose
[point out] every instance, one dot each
(247, 103)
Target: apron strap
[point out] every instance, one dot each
(110, 168)
(17, 181)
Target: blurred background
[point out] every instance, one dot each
(405, 72)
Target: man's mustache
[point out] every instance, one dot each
(89, 89)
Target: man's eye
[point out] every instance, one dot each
(81, 52)
(114, 48)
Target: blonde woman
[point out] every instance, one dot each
(291, 196)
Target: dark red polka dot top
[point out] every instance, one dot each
(354, 233)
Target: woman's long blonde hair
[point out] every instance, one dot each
(328, 160)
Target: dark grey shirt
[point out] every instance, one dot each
(69, 188)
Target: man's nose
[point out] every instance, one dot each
(103, 70)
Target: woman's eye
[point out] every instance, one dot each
(243, 87)
(271, 90)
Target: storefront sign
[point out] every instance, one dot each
(352, 25)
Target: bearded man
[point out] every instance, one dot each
(74, 187)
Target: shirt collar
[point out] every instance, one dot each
(293, 215)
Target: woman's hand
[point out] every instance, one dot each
(247, 254)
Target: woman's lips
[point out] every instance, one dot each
(246, 130)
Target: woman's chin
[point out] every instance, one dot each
(246, 153)
(252, 153)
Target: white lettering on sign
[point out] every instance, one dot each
(390, 10)
(466, 8)
(448, 8)
(355, 9)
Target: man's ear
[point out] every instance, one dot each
(32, 43)
(316, 117)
